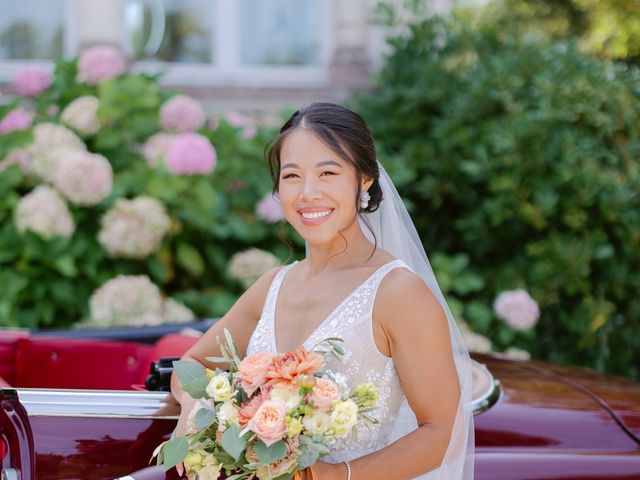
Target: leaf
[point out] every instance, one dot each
(286, 476)
(175, 451)
(188, 371)
(204, 418)
(190, 259)
(272, 453)
(197, 388)
(232, 442)
(308, 457)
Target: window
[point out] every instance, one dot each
(194, 42)
(215, 42)
(170, 30)
(32, 29)
(280, 32)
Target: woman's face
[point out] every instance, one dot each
(318, 189)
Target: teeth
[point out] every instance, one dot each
(310, 216)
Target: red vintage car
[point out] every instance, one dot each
(77, 408)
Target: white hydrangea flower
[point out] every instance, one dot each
(127, 300)
(84, 178)
(515, 353)
(82, 115)
(44, 212)
(474, 341)
(176, 312)
(51, 143)
(134, 228)
(249, 265)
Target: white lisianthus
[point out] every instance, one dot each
(317, 423)
(219, 388)
(210, 472)
(343, 417)
(286, 395)
(227, 414)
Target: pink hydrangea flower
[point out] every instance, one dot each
(269, 209)
(32, 80)
(155, 148)
(84, 178)
(240, 120)
(100, 63)
(182, 114)
(190, 153)
(517, 309)
(18, 119)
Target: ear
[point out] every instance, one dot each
(366, 183)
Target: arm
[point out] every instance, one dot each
(421, 339)
(240, 320)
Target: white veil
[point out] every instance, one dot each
(395, 233)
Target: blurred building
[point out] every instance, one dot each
(250, 55)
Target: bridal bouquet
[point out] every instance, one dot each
(267, 417)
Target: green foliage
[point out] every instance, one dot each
(48, 283)
(519, 159)
(606, 28)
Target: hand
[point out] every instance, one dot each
(186, 407)
(329, 471)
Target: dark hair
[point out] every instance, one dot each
(344, 132)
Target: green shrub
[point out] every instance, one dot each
(522, 155)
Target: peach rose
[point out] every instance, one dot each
(288, 366)
(252, 371)
(324, 393)
(269, 422)
(248, 409)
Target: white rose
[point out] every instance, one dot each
(343, 417)
(219, 388)
(286, 395)
(227, 413)
(317, 423)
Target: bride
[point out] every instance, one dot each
(367, 280)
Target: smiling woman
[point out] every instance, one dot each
(366, 280)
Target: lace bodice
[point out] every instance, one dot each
(362, 362)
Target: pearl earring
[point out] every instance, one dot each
(364, 199)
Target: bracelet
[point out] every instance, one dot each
(348, 464)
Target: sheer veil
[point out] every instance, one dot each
(395, 232)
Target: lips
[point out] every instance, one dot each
(315, 215)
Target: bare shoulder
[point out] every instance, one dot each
(255, 295)
(402, 294)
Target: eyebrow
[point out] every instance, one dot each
(319, 164)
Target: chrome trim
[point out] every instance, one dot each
(98, 403)
(10, 474)
(490, 396)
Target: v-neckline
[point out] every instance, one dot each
(274, 307)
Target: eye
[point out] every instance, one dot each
(328, 173)
(289, 175)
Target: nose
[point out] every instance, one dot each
(310, 190)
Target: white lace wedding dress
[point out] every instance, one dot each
(350, 320)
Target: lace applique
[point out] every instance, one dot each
(362, 362)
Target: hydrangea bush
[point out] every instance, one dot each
(123, 204)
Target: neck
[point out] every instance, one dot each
(339, 254)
